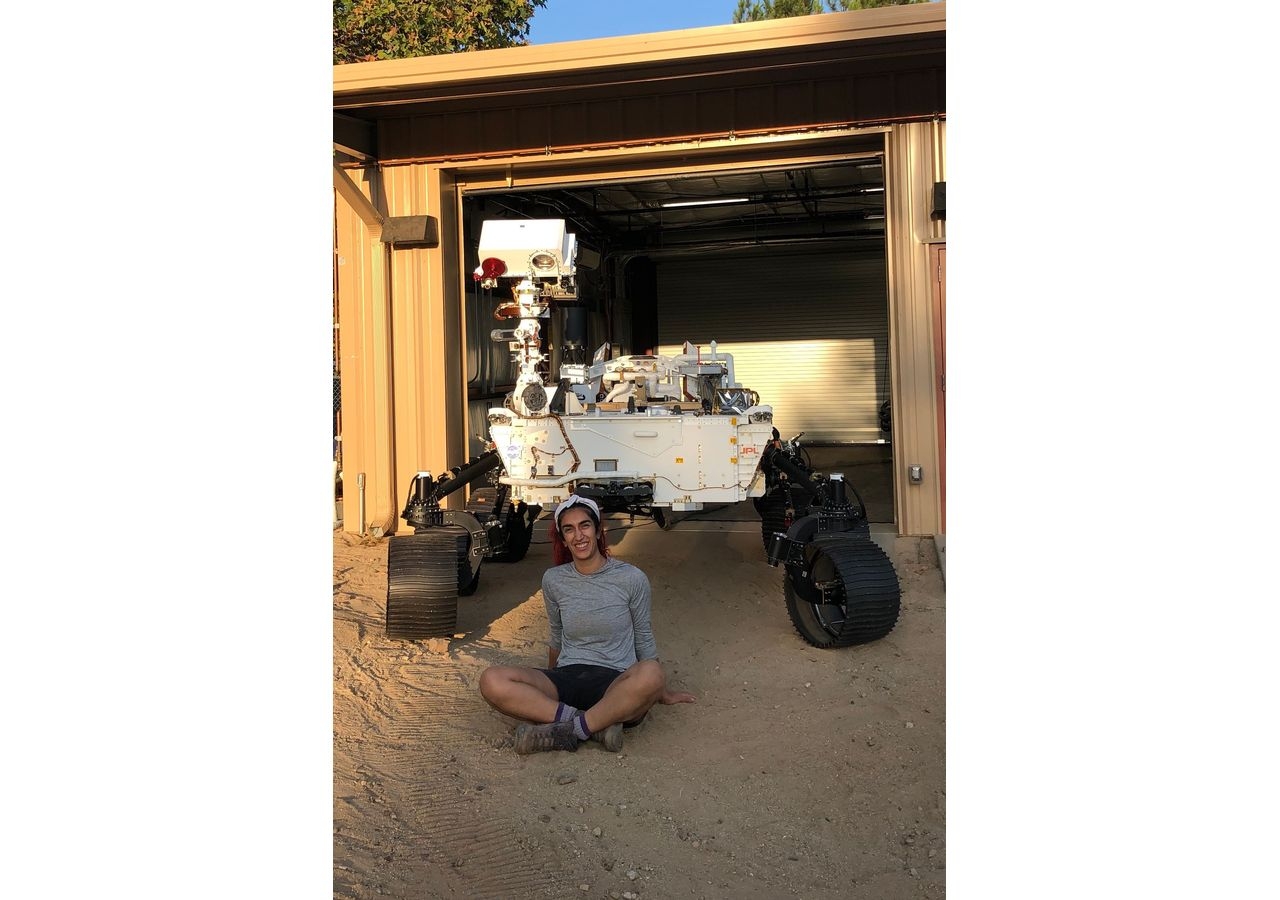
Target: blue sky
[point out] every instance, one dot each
(579, 20)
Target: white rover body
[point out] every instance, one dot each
(637, 433)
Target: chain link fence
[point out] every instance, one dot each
(337, 419)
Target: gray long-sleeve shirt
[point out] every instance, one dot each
(601, 619)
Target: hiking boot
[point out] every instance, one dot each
(611, 737)
(536, 738)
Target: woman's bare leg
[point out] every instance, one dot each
(629, 697)
(520, 692)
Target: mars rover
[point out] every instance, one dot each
(640, 434)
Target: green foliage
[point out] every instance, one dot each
(365, 30)
(759, 10)
(845, 5)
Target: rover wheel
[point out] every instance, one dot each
(773, 515)
(468, 581)
(519, 525)
(862, 596)
(660, 518)
(480, 502)
(422, 584)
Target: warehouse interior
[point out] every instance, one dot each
(781, 265)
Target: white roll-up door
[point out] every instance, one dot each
(809, 332)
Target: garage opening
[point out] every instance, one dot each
(783, 267)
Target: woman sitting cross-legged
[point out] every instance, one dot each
(602, 669)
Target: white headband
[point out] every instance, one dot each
(574, 500)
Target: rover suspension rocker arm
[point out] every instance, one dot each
(798, 475)
(833, 513)
(422, 508)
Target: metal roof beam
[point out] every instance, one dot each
(358, 202)
(355, 137)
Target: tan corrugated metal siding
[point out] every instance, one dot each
(365, 319)
(402, 347)
(427, 337)
(909, 179)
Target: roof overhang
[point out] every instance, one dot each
(391, 81)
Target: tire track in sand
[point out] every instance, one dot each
(413, 754)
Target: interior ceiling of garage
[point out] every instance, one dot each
(726, 210)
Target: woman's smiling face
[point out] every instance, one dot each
(580, 534)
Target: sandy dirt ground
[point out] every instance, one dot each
(797, 773)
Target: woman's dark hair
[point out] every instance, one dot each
(560, 550)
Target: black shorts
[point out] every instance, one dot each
(581, 686)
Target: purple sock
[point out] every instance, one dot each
(580, 727)
(565, 712)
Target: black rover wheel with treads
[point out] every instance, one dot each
(773, 515)
(467, 581)
(516, 519)
(422, 584)
(520, 519)
(850, 594)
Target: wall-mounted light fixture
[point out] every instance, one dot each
(714, 202)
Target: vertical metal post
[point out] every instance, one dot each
(360, 486)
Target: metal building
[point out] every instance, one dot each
(777, 187)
